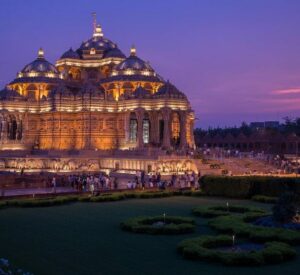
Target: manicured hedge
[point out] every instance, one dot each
(206, 248)
(248, 186)
(174, 225)
(108, 197)
(264, 199)
(223, 210)
(41, 202)
(104, 197)
(242, 226)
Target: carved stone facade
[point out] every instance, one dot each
(84, 164)
(94, 98)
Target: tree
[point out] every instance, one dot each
(286, 208)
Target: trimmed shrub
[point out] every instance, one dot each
(242, 226)
(108, 197)
(223, 210)
(207, 248)
(286, 207)
(159, 225)
(104, 197)
(42, 202)
(264, 199)
(248, 186)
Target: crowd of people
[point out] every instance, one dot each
(102, 182)
(285, 165)
(154, 180)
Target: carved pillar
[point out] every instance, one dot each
(140, 117)
(166, 117)
(9, 130)
(183, 122)
(127, 127)
(153, 127)
(3, 127)
(192, 121)
(19, 129)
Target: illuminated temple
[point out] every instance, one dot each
(94, 99)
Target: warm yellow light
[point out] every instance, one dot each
(41, 53)
(133, 50)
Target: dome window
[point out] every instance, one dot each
(92, 51)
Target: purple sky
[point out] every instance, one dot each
(236, 60)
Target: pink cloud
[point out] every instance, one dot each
(287, 91)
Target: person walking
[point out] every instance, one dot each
(54, 184)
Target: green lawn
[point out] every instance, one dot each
(85, 238)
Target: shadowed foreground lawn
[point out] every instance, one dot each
(85, 238)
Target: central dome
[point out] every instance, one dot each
(99, 46)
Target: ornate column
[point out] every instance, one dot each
(192, 121)
(127, 127)
(166, 117)
(153, 127)
(183, 122)
(140, 117)
(9, 130)
(19, 128)
(2, 133)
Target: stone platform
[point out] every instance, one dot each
(127, 161)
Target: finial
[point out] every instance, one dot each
(98, 31)
(132, 50)
(41, 53)
(94, 21)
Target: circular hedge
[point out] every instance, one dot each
(208, 248)
(243, 226)
(224, 210)
(159, 225)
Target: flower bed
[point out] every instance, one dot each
(224, 210)
(243, 226)
(207, 248)
(159, 225)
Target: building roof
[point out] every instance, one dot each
(39, 70)
(133, 63)
(168, 90)
(40, 65)
(70, 54)
(6, 94)
(99, 47)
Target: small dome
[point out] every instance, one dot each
(9, 94)
(168, 90)
(133, 63)
(71, 54)
(40, 65)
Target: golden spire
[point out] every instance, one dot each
(132, 50)
(98, 31)
(41, 53)
(94, 21)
